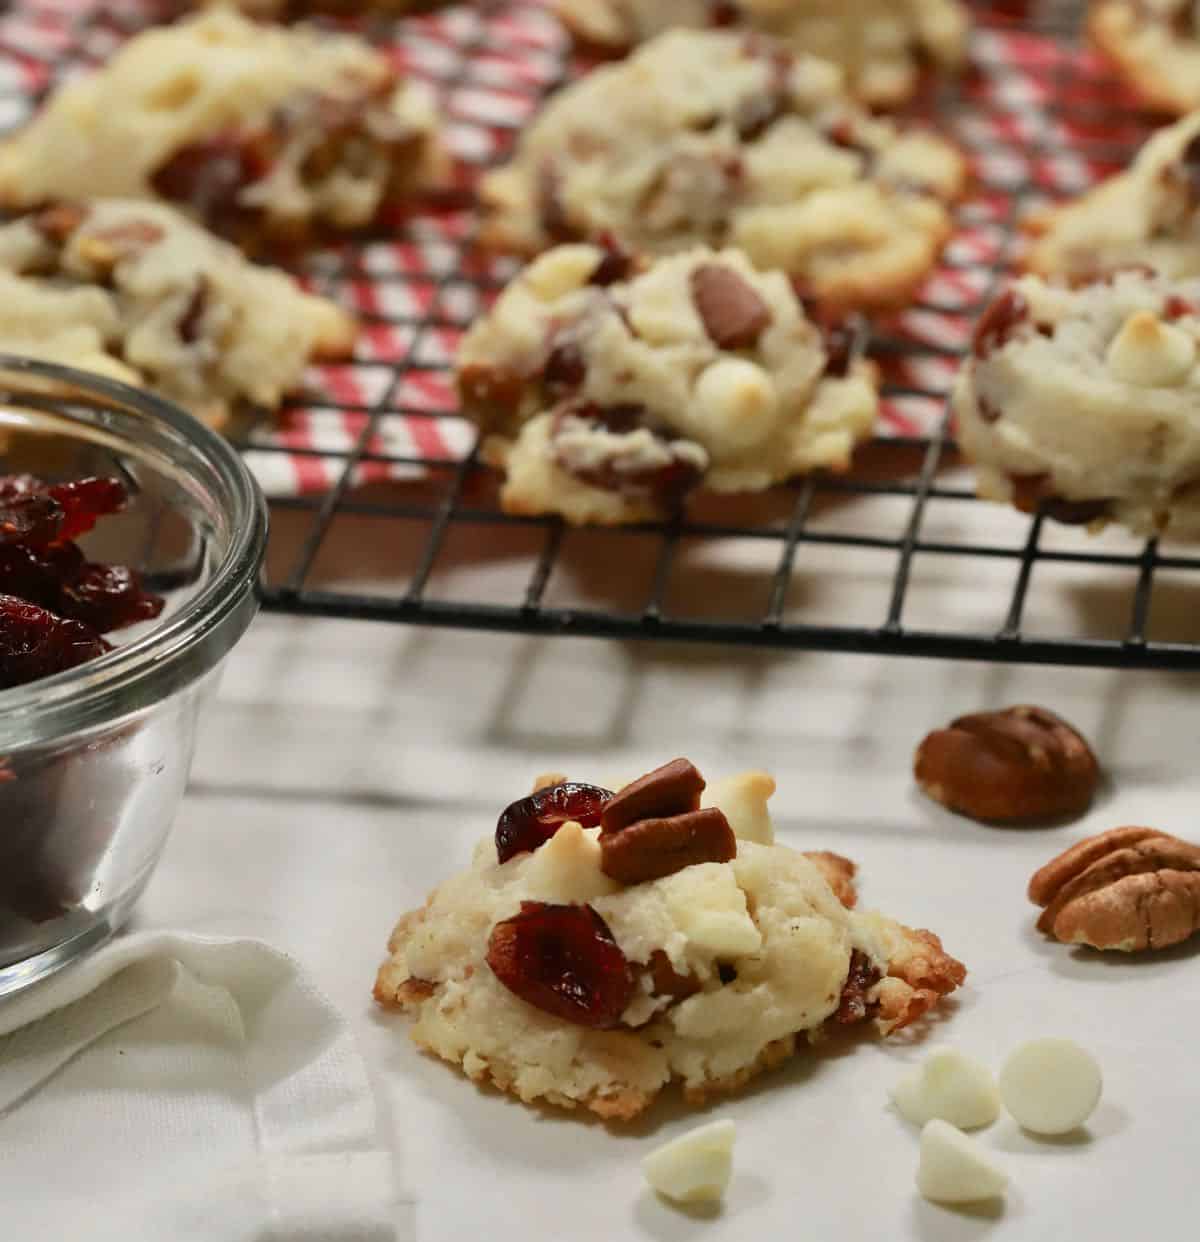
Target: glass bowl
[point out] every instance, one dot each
(94, 760)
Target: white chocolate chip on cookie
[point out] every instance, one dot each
(737, 399)
(1051, 1086)
(954, 1168)
(1150, 353)
(696, 1167)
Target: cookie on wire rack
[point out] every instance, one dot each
(138, 292)
(1148, 215)
(726, 139)
(260, 130)
(608, 389)
(1081, 402)
(604, 946)
(880, 45)
(1155, 46)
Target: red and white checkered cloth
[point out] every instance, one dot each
(1040, 117)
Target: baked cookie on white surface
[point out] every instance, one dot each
(1148, 215)
(727, 139)
(1085, 401)
(879, 44)
(1155, 46)
(607, 392)
(137, 292)
(603, 946)
(261, 130)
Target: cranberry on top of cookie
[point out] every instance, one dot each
(606, 944)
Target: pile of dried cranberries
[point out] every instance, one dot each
(55, 604)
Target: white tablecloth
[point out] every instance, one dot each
(347, 767)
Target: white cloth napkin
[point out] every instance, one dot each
(178, 1087)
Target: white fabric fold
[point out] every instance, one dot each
(186, 1087)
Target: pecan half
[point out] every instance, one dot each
(1127, 889)
(733, 314)
(671, 789)
(653, 848)
(1021, 763)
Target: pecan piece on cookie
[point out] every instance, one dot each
(653, 848)
(1127, 889)
(733, 314)
(1021, 763)
(671, 789)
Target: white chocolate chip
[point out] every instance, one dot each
(950, 1087)
(567, 868)
(710, 909)
(736, 400)
(1051, 1086)
(1150, 353)
(954, 1168)
(743, 798)
(696, 1167)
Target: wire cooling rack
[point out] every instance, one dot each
(381, 509)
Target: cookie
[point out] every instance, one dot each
(282, 10)
(261, 130)
(1155, 46)
(606, 393)
(879, 45)
(137, 292)
(548, 978)
(1146, 215)
(1082, 402)
(725, 139)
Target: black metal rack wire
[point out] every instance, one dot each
(375, 530)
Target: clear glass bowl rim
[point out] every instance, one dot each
(194, 639)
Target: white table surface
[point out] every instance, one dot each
(346, 768)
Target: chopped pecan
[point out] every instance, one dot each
(653, 848)
(733, 314)
(672, 789)
(999, 323)
(1021, 763)
(1128, 889)
(490, 392)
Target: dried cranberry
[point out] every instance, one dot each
(564, 369)
(531, 822)
(723, 13)
(861, 977)
(108, 597)
(564, 961)
(37, 513)
(1176, 307)
(59, 578)
(999, 322)
(987, 411)
(193, 313)
(839, 349)
(35, 643)
(208, 176)
(615, 265)
(86, 500)
(1189, 166)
